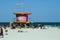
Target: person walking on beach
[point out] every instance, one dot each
(5, 28)
(40, 26)
(1, 32)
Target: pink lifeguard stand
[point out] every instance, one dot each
(22, 17)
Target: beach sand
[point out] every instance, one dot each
(33, 34)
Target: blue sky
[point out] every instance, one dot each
(42, 10)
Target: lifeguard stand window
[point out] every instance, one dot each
(21, 19)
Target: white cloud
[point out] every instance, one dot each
(19, 3)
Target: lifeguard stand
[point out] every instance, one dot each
(22, 17)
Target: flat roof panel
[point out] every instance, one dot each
(22, 12)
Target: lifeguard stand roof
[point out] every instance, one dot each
(22, 13)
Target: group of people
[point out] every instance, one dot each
(1, 31)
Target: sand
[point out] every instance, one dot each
(33, 34)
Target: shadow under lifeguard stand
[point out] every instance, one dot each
(21, 19)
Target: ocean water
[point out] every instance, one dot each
(49, 24)
(5, 23)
